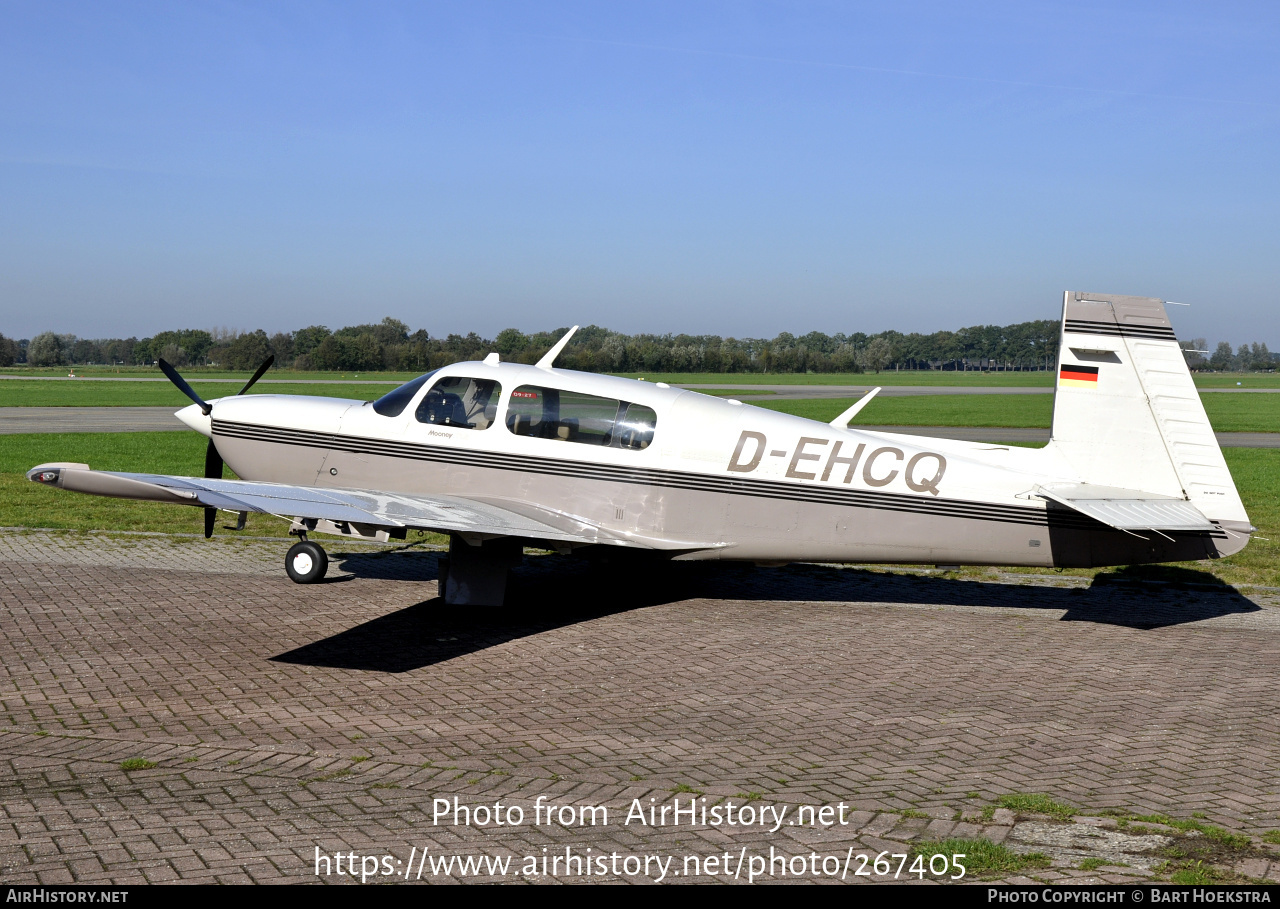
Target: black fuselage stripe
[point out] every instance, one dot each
(856, 498)
(651, 477)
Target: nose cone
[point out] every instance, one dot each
(194, 417)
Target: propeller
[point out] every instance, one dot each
(186, 389)
(266, 364)
(212, 460)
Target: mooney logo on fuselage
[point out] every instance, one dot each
(880, 467)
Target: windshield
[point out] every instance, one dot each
(393, 403)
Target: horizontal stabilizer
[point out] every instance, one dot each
(1127, 509)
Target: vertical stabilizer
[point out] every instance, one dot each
(1126, 412)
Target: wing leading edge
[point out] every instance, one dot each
(444, 514)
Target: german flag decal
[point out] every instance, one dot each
(1079, 376)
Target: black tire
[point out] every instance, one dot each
(306, 562)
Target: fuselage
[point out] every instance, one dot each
(643, 458)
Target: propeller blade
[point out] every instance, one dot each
(212, 462)
(183, 387)
(213, 470)
(266, 364)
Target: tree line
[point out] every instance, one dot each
(389, 345)
(1246, 358)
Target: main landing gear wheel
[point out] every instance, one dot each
(306, 562)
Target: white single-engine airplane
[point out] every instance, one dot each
(503, 455)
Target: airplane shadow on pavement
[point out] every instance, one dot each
(554, 592)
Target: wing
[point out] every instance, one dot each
(380, 510)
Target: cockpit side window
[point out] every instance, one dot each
(393, 403)
(569, 416)
(461, 402)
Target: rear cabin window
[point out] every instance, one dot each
(568, 416)
(462, 402)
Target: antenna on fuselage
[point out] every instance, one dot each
(550, 356)
(842, 421)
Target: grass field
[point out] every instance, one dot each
(1234, 379)
(1257, 475)
(1029, 379)
(158, 394)
(924, 377)
(1039, 379)
(928, 410)
(26, 504)
(1243, 413)
(1227, 413)
(197, 372)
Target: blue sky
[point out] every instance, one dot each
(734, 168)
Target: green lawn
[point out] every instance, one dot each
(889, 377)
(159, 394)
(928, 410)
(198, 372)
(1240, 379)
(27, 504)
(922, 377)
(1243, 413)
(1227, 413)
(1257, 475)
(159, 452)
(1038, 379)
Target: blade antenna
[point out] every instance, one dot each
(842, 421)
(183, 387)
(550, 356)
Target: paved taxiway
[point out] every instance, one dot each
(281, 719)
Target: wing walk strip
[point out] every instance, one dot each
(884, 501)
(1088, 327)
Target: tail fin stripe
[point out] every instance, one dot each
(1133, 331)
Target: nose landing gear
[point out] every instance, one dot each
(306, 562)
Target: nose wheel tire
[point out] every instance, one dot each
(306, 562)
